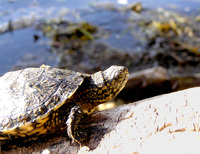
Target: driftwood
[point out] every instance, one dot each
(168, 123)
(159, 79)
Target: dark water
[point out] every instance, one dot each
(20, 44)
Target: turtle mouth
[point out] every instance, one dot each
(122, 79)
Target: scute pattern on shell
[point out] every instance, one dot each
(29, 94)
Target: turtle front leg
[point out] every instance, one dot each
(74, 131)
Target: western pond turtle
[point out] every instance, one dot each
(44, 100)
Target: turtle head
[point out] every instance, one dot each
(115, 78)
(101, 87)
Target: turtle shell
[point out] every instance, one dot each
(28, 96)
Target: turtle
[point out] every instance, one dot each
(44, 100)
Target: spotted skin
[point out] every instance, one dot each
(44, 100)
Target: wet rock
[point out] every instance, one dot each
(137, 7)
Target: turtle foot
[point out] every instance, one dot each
(74, 130)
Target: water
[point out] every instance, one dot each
(11, 9)
(19, 44)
